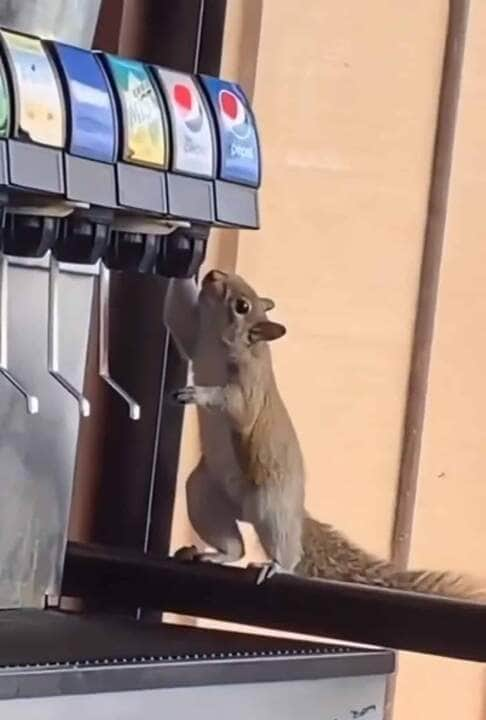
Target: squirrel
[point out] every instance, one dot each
(252, 468)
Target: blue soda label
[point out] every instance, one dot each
(93, 126)
(239, 151)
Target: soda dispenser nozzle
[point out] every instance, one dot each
(182, 252)
(104, 352)
(30, 236)
(53, 340)
(84, 237)
(132, 252)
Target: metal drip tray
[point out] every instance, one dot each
(54, 658)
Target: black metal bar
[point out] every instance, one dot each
(354, 613)
(199, 32)
(187, 32)
(212, 37)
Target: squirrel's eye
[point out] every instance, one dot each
(242, 306)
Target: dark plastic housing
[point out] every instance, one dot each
(132, 252)
(182, 252)
(30, 235)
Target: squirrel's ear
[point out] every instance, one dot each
(267, 303)
(266, 330)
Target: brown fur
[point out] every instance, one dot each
(328, 554)
(265, 485)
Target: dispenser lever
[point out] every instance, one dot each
(104, 356)
(31, 400)
(53, 340)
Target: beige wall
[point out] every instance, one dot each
(347, 122)
(346, 95)
(450, 525)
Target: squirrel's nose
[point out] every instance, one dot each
(214, 276)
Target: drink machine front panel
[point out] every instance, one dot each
(38, 130)
(38, 449)
(144, 141)
(92, 137)
(193, 152)
(153, 138)
(239, 167)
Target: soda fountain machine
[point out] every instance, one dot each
(110, 164)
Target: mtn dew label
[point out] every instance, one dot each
(143, 121)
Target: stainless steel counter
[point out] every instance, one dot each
(55, 665)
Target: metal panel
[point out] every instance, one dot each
(73, 21)
(114, 666)
(310, 699)
(53, 644)
(37, 453)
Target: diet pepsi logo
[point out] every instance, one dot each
(188, 107)
(234, 115)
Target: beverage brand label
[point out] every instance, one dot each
(238, 139)
(40, 103)
(193, 150)
(143, 119)
(93, 118)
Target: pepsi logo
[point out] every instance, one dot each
(188, 107)
(234, 115)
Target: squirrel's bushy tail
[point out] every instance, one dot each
(327, 554)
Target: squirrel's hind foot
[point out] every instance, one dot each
(188, 553)
(267, 570)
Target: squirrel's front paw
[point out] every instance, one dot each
(185, 396)
(205, 396)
